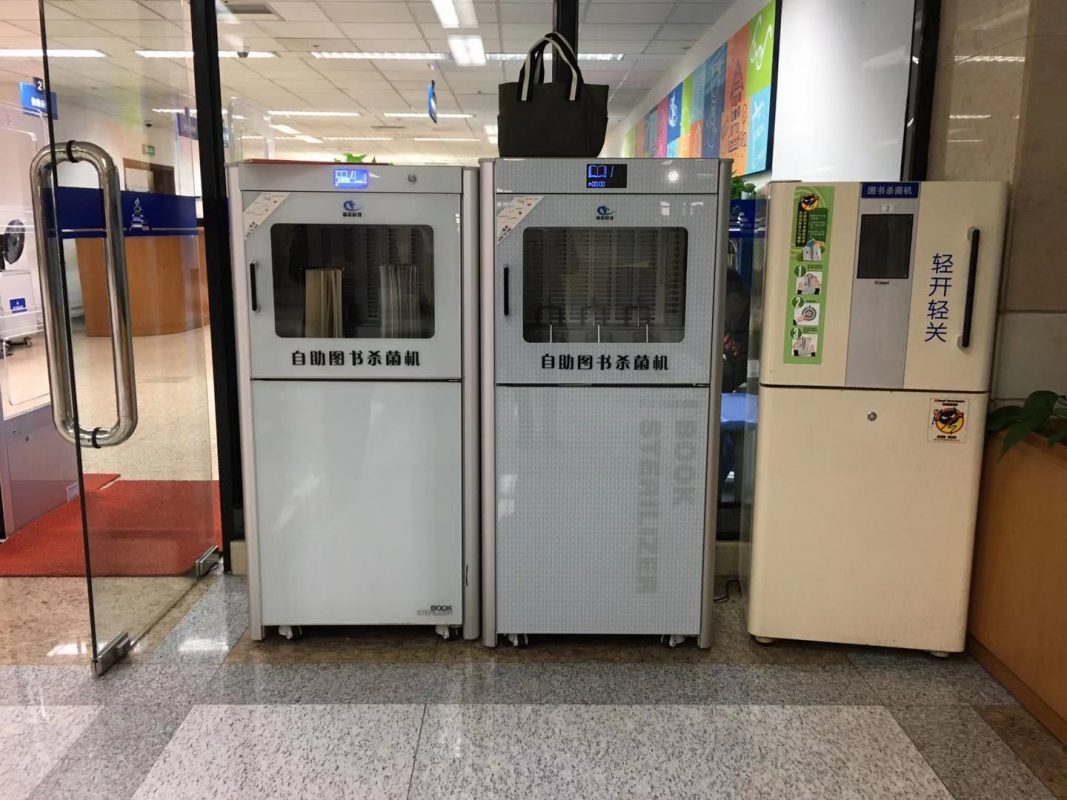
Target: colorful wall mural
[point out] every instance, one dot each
(723, 109)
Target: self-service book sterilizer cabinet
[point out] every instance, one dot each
(601, 350)
(356, 313)
(878, 327)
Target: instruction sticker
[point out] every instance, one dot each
(948, 420)
(262, 207)
(512, 213)
(809, 256)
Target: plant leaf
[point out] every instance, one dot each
(1001, 418)
(1015, 434)
(1039, 404)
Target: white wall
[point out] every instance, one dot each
(842, 86)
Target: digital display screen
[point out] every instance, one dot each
(350, 178)
(605, 176)
(885, 246)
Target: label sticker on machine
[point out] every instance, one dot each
(262, 207)
(512, 213)
(948, 420)
(809, 257)
(18, 304)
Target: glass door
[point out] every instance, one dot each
(125, 305)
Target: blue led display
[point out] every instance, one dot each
(605, 176)
(350, 178)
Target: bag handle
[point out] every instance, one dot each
(533, 69)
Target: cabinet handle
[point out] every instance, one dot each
(975, 236)
(507, 291)
(252, 282)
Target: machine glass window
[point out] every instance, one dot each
(885, 246)
(342, 281)
(604, 284)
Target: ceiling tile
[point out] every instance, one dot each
(138, 27)
(608, 31)
(102, 9)
(298, 12)
(371, 12)
(704, 13)
(381, 30)
(680, 33)
(668, 48)
(310, 30)
(27, 10)
(626, 13)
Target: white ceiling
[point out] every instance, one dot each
(651, 34)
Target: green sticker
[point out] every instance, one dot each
(809, 253)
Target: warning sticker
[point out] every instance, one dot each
(262, 207)
(809, 259)
(948, 420)
(512, 213)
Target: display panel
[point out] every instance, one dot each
(605, 176)
(350, 178)
(885, 246)
(353, 281)
(604, 284)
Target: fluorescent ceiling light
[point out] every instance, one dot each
(303, 137)
(467, 51)
(455, 13)
(31, 53)
(288, 129)
(445, 139)
(490, 130)
(380, 56)
(419, 114)
(989, 59)
(192, 111)
(189, 54)
(357, 138)
(548, 55)
(969, 116)
(313, 113)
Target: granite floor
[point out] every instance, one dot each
(201, 711)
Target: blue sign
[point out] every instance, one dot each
(350, 178)
(431, 100)
(81, 213)
(907, 190)
(17, 304)
(34, 101)
(187, 127)
(674, 117)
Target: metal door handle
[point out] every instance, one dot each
(975, 236)
(252, 285)
(57, 327)
(507, 291)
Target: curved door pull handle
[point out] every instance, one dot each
(57, 325)
(974, 236)
(252, 285)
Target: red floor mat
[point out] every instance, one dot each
(135, 528)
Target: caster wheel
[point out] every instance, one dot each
(764, 640)
(939, 653)
(447, 632)
(519, 640)
(290, 631)
(673, 640)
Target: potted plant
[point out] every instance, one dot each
(1018, 614)
(1044, 413)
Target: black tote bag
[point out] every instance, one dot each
(561, 120)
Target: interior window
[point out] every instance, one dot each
(353, 281)
(604, 284)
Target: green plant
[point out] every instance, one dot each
(351, 158)
(1043, 412)
(739, 186)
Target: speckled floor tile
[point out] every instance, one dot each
(721, 752)
(113, 755)
(321, 752)
(1043, 753)
(967, 755)
(32, 740)
(340, 646)
(212, 626)
(905, 677)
